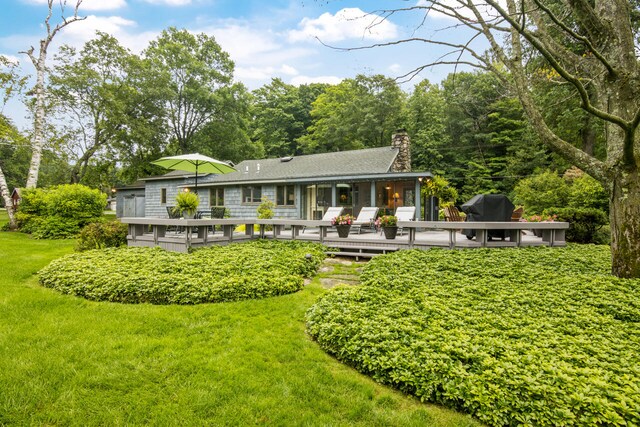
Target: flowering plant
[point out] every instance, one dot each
(541, 218)
(342, 220)
(387, 221)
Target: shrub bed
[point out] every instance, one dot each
(533, 336)
(59, 212)
(220, 273)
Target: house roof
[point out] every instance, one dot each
(355, 162)
(134, 186)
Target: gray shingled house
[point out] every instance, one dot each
(302, 186)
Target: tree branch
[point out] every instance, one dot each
(575, 81)
(576, 36)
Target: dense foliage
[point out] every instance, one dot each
(549, 190)
(584, 223)
(252, 270)
(99, 235)
(60, 211)
(534, 336)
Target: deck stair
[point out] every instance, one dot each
(358, 250)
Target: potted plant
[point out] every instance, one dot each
(186, 204)
(539, 218)
(343, 224)
(389, 224)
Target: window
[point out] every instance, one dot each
(251, 194)
(216, 197)
(285, 195)
(163, 196)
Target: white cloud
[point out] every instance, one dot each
(91, 5)
(78, 33)
(347, 23)
(303, 80)
(170, 2)
(264, 73)
(259, 54)
(289, 70)
(394, 68)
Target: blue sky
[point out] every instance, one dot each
(266, 39)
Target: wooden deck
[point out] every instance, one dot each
(181, 235)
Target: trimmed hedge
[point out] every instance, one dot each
(529, 336)
(241, 271)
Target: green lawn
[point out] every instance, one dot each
(68, 361)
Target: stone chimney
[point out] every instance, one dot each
(400, 140)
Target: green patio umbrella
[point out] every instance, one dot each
(194, 163)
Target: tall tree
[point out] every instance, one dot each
(356, 113)
(89, 88)
(426, 108)
(282, 114)
(193, 69)
(39, 63)
(226, 136)
(604, 75)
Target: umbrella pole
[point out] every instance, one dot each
(196, 189)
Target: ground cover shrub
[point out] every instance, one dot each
(219, 273)
(59, 212)
(529, 336)
(100, 235)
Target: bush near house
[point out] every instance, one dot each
(584, 223)
(241, 271)
(59, 212)
(529, 336)
(100, 235)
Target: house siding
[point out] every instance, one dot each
(155, 209)
(233, 202)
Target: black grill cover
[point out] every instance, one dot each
(488, 207)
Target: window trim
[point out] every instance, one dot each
(163, 196)
(285, 194)
(253, 198)
(216, 195)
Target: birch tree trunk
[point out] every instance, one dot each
(8, 203)
(39, 63)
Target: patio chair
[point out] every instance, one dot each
(173, 215)
(217, 212)
(405, 213)
(331, 213)
(451, 213)
(366, 218)
(517, 214)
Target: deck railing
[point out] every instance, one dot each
(198, 232)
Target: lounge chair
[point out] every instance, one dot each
(366, 218)
(405, 213)
(331, 213)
